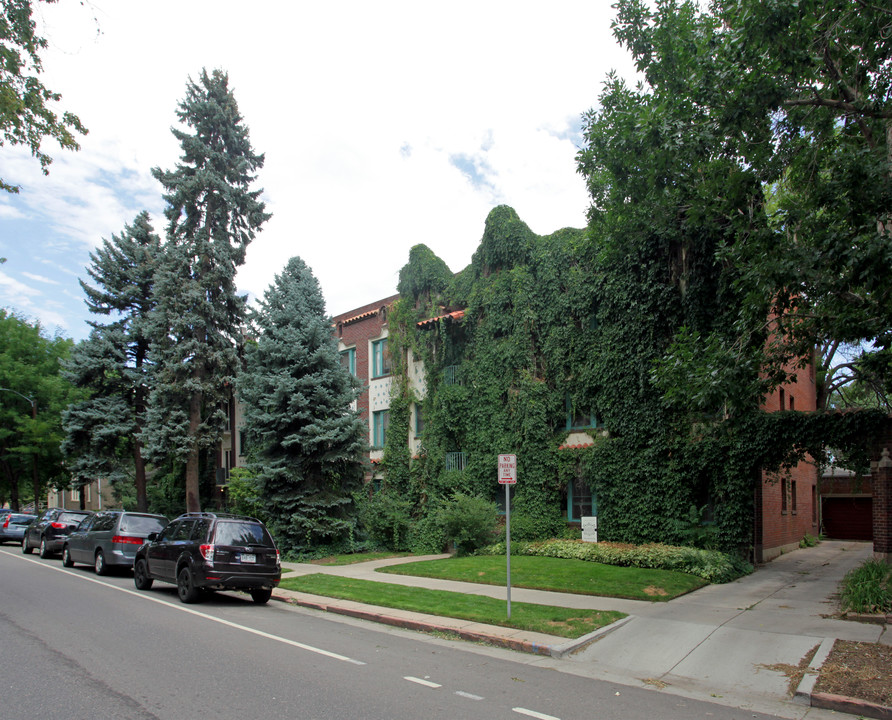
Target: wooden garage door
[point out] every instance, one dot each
(848, 518)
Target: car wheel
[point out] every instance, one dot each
(141, 575)
(261, 596)
(99, 564)
(26, 548)
(44, 548)
(66, 558)
(185, 587)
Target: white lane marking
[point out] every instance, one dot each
(185, 609)
(426, 683)
(534, 714)
(469, 696)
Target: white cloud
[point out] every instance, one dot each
(40, 278)
(360, 108)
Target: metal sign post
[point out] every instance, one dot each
(508, 477)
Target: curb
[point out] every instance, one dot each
(825, 701)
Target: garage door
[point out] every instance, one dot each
(848, 518)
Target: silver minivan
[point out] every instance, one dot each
(110, 539)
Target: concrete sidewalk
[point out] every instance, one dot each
(734, 643)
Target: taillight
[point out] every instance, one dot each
(127, 540)
(207, 552)
(58, 525)
(278, 558)
(6, 522)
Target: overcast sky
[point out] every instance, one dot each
(384, 125)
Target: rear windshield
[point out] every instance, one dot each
(70, 517)
(233, 532)
(19, 519)
(142, 524)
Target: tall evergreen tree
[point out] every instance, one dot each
(212, 216)
(103, 430)
(297, 396)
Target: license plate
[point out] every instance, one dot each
(248, 558)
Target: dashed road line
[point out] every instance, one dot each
(534, 714)
(469, 696)
(426, 683)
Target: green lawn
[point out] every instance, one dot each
(563, 622)
(557, 574)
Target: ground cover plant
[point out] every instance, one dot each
(353, 558)
(711, 565)
(867, 588)
(563, 622)
(557, 574)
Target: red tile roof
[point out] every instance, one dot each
(457, 315)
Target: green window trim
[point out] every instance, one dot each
(348, 359)
(579, 420)
(381, 362)
(380, 423)
(581, 500)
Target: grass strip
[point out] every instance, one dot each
(563, 622)
(558, 575)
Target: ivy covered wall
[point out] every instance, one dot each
(562, 323)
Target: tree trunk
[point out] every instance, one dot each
(139, 464)
(193, 503)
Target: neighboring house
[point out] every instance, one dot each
(98, 495)
(787, 505)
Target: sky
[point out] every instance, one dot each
(384, 125)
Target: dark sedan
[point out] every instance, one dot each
(49, 531)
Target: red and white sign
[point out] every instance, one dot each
(507, 469)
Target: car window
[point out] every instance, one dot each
(168, 532)
(234, 532)
(142, 524)
(184, 530)
(104, 522)
(201, 529)
(87, 524)
(72, 517)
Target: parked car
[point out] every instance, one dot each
(109, 539)
(49, 531)
(13, 524)
(210, 551)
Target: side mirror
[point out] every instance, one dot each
(151, 537)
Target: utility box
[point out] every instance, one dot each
(590, 528)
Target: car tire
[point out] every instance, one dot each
(66, 558)
(261, 596)
(44, 548)
(141, 575)
(26, 548)
(186, 587)
(99, 563)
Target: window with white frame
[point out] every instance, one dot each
(348, 360)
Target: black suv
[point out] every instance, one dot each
(210, 551)
(49, 531)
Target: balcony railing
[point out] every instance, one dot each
(452, 375)
(456, 460)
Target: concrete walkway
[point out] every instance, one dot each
(734, 643)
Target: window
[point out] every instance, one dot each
(792, 403)
(348, 360)
(580, 500)
(784, 483)
(419, 420)
(793, 496)
(781, 398)
(578, 419)
(380, 423)
(814, 505)
(381, 364)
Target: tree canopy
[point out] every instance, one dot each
(212, 215)
(27, 114)
(306, 442)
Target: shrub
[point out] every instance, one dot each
(867, 588)
(386, 517)
(468, 521)
(711, 565)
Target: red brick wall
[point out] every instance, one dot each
(354, 329)
(782, 529)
